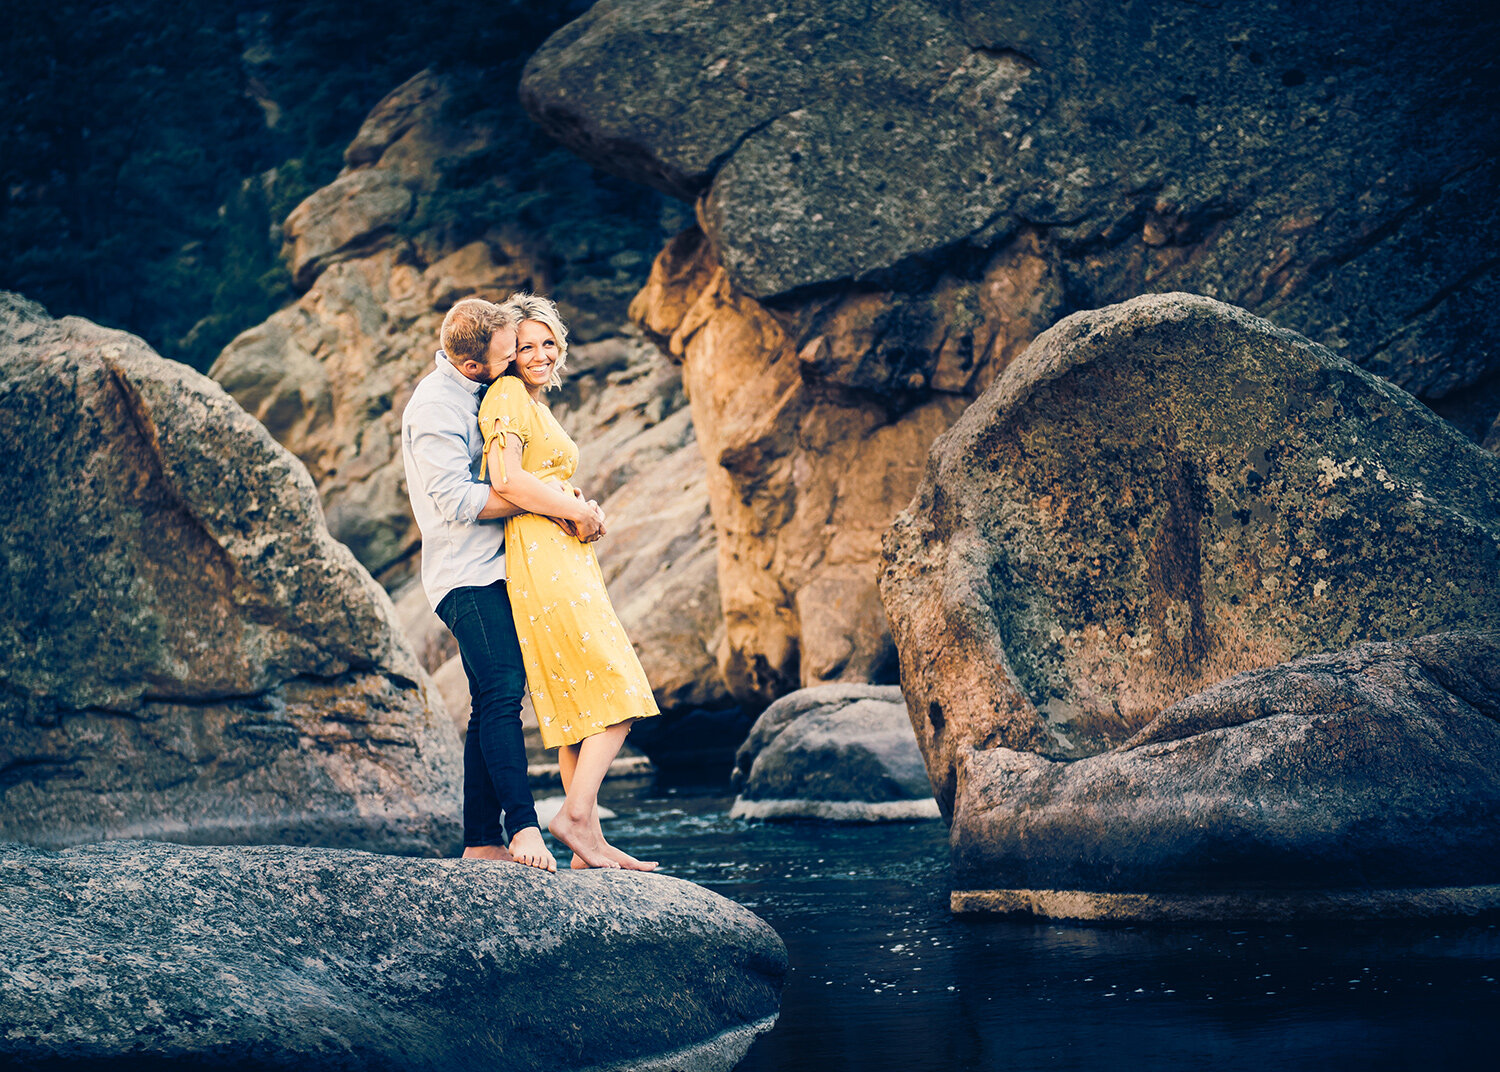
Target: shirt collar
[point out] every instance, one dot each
(447, 368)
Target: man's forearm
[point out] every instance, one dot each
(498, 506)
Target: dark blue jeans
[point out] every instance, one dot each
(495, 780)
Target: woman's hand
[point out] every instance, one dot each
(587, 531)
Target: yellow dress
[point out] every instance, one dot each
(581, 671)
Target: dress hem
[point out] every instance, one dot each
(601, 729)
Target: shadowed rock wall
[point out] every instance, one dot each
(330, 376)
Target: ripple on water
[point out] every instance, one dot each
(885, 978)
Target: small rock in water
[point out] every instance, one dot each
(548, 807)
(841, 752)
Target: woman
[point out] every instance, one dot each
(586, 684)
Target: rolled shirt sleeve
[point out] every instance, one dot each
(441, 459)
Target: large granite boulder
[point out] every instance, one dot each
(892, 207)
(1159, 495)
(186, 652)
(842, 752)
(150, 954)
(429, 638)
(1363, 783)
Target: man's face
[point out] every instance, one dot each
(501, 353)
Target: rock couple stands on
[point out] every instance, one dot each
(1158, 496)
(148, 953)
(893, 205)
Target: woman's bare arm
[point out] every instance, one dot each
(524, 491)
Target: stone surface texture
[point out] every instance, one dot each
(802, 481)
(843, 752)
(1159, 495)
(894, 203)
(187, 653)
(295, 958)
(1372, 769)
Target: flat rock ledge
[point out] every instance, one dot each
(146, 954)
(1353, 905)
(1364, 784)
(844, 753)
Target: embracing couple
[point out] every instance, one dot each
(507, 565)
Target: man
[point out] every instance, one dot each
(463, 573)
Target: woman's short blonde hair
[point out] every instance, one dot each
(522, 306)
(466, 331)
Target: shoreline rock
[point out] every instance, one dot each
(1156, 496)
(277, 957)
(1364, 783)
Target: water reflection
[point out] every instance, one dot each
(883, 977)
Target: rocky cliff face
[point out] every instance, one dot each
(891, 208)
(186, 651)
(330, 376)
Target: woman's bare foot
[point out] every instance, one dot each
(626, 861)
(527, 848)
(488, 852)
(583, 839)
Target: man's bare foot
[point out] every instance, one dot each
(583, 839)
(528, 848)
(488, 852)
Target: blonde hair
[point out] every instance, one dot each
(522, 306)
(467, 328)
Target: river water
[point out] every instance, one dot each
(883, 977)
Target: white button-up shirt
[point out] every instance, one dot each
(441, 448)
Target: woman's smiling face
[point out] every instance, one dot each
(536, 353)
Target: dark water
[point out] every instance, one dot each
(883, 977)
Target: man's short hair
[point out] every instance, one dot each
(467, 329)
